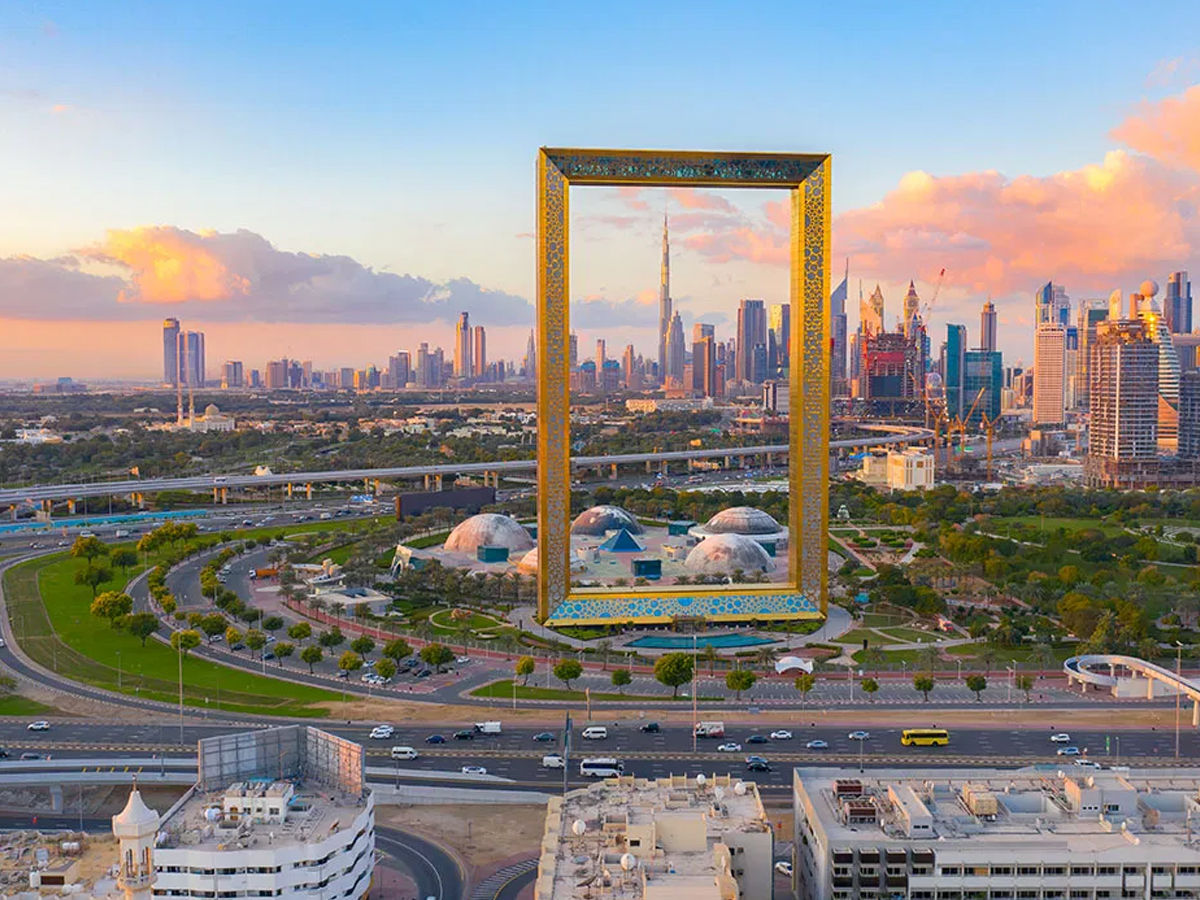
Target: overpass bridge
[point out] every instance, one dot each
(432, 474)
(1079, 670)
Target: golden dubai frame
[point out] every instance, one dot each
(805, 594)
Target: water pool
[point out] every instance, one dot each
(685, 642)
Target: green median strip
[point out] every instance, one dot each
(503, 690)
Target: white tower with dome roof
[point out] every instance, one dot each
(135, 828)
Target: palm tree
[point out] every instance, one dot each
(603, 648)
(766, 656)
(709, 655)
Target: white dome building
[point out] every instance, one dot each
(599, 520)
(722, 554)
(528, 564)
(488, 530)
(743, 520)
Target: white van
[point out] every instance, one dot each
(595, 733)
(553, 761)
(404, 753)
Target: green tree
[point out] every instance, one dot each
(385, 667)
(272, 623)
(213, 624)
(870, 687)
(112, 605)
(255, 640)
(232, 636)
(282, 651)
(1025, 684)
(567, 670)
(362, 645)
(350, 661)
(88, 548)
(620, 679)
(525, 667)
(331, 638)
(673, 670)
(124, 559)
(437, 655)
(923, 684)
(168, 604)
(185, 640)
(805, 683)
(141, 625)
(93, 577)
(301, 631)
(397, 649)
(977, 684)
(738, 680)
(312, 654)
(708, 653)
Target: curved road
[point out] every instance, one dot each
(435, 871)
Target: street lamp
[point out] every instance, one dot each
(118, 670)
(1178, 692)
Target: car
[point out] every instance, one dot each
(729, 747)
(39, 725)
(817, 745)
(409, 663)
(1061, 738)
(269, 655)
(783, 867)
(367, 676)
(859, 735)
(237, 646)
(29, 754)
(474, 770)
(271, 639)
(382, 731)
(553, 761)
(1088, 764)
(1068, 751)
(463, 660)
(543, 737)
(3, 753)
(425, 673)
(435, 739)
(758, 765)
(343, 673)
(781, 735)
(756, 739)
(754, 757)
(650, 728)
(465, 734)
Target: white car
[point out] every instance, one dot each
(1088, 764)
(859, 735)
(474, 770)
(817, 745)
(729, 747)
(783, 867)
(463, 660)
(781, 735)
(40, 725)
(1061, 738)
(382, 732)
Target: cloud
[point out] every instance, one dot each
(1168, 130)
(233, 277)
(1169, 71)
(691, 198)
(759, 245)
(601, 312)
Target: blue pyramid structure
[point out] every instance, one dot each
(622, 542)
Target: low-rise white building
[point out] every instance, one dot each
(909, 470)
(282, 812)
(998, 834)
(674, 838)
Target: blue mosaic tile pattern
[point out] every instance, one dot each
(663, 609)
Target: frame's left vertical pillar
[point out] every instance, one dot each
(553, 388)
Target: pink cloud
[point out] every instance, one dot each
(1168, 130)
(741, 243)
(691, 198)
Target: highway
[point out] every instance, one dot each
(36, 493)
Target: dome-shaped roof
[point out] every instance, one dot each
(488, 530)
(528, 564)
(135, 818)
(600, 519)
(212, 410)
(742, 520)
(722, 554)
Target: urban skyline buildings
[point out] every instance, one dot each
(664, 298)
(987, 326)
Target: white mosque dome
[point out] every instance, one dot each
(722, 554)
(601, 519)
(742, 520)
(488, 530)
(212, 410)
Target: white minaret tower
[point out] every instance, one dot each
(135, 828)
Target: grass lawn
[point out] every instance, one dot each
(913, 635)
(50, 617)
(1026, 654)
(442, 622)
(883, 620)
(16, 705)
(503, 690)
(856, 636)
(1051, 523)
(339, 555)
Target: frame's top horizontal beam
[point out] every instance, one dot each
(697, 168)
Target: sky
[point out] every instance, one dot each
(329, 181)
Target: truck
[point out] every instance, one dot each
(269, 572)
(710, 729)
(487, 727)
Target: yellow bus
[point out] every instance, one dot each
(925, 737)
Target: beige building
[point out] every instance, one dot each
(898, 470)
(995, 834)
(1049, 374)
(675, 838)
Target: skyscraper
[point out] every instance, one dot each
(676, 352)
(1189, 415)
(231, 375)
(191, 358)
(601, 354)
(531, 358)
(1177, 306)
(870, 312)
(664, 302)
(779, 324)
(1049, 374)
(171, 352)
(462, 346)
(1168, 373)
(479, 352)
(987, 326)
(956, 348)
(838, 335)
(399, 368)
(983, 382)
(704, 360)
(1091, 312)
(1052, 305)
(751, 333)
(1123, 402)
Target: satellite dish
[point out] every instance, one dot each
(628, 862)
(701, 780)
(579, 828)
(740, 789)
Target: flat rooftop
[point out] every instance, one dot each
(1147, 813)
(315, 811)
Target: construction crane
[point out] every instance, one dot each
(959, 423)
(989, 427)
(927, 306)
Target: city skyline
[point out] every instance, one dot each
(1110, 201)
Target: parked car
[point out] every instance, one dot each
(781, 735)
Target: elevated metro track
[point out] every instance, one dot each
(893, 434)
